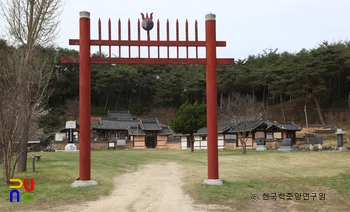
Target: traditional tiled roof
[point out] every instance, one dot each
(224, 127)
(150, 124)
(139, 131)
(135, 131)
(116, 124)
(165, 131)
(247, 124)
(221, 128)
(285, 126)
(250, 123)
(33, 140)
(201, 131)
(123, 124)
(118, 115)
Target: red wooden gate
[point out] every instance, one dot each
(85, 61)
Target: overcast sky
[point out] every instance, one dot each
(248, 26)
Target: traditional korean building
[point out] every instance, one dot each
(252, 127)
(122, 127)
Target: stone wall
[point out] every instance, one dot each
(94, 146)
(318, 131)
(173, 145)
(230, 145)
(273, 145)
(60, 145)
(301, 142)
(129, 145)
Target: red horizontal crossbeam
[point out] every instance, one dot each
(145, 43)
(117, 60)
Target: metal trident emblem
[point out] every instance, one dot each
(147, 23)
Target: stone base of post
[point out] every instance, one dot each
(83, 183)
(218, 182)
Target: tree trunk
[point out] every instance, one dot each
(318, 107)
(349, 101)
(283, 112)
(139, 97)
(221, 101)
(107, 99)
(192, 143)
(244, 146)
(264, 91)
(116, 104)
(228, 106)
(130, 100)
(6, 162)
(22, 151)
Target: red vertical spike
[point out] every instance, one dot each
(149, 51)
(109, 36)
(177, 37)
(158, 36)
(167, 35)
(148, 38)
(129, 36)
(32, 183)
(99, 35)
(119, 36)
(177, 29)
(139, 35)
(196, 35)
(186, 26)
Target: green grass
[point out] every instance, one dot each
(253, 173)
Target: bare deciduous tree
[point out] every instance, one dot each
(23, 92)
(30, 24)
(241, 109)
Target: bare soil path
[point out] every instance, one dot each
(154, 187)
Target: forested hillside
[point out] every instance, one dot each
(286, 83)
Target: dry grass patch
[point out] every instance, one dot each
(253, 173)
(280, 173)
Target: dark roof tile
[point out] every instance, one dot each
(150, 124)
(165, 131)
(285, 126)
(119, 115)
(136, 131)
(116, 124)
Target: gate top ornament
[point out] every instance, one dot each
(147, 23)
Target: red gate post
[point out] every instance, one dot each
(84, 103)
(212, 117)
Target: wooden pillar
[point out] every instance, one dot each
(85, 97)
(212, 123)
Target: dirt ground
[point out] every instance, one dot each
(155, 187)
